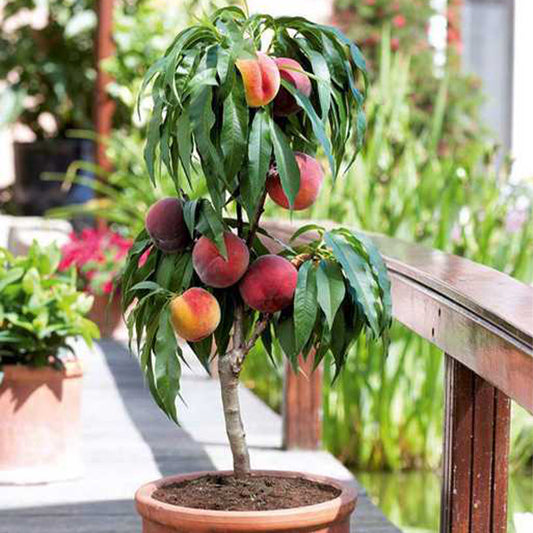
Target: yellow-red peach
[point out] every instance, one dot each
(311, 178)
(285, 103)
(269, 284)
(166, 226)
(213, 269)
(195, 314)
(261, 79)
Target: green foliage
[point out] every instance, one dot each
(201, 123)
(40, 308)
(49, 69)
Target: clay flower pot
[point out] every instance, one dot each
(106, 314)
(332, 516)
(40, 424)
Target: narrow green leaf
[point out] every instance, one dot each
(259, 154)
(146, 285)
(305, 304)
(330, 289)
(183, 138)
(234, 134)
(167, 371)
(284, 328)
(286, 164)
(359, 276)
(306, 229)
(189, 215)
(152, 139)
(316, 123)
(203, 120)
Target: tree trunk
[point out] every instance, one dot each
(229, 383)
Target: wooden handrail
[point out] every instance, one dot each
(481, 317)
(483, 321)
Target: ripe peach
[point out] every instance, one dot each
(261, 79)
(269, 284)
(211, 266)
(284, 103)
(166, 226)
(195, 314)
(311, 177)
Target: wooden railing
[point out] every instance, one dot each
(483, 321)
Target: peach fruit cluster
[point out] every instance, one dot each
(269, 283)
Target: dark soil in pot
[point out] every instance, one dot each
(249, 493)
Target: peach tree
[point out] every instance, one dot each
(247, 101)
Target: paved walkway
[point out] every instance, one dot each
(127, 441)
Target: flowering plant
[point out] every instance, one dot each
(98, 256)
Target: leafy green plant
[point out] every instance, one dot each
(40, 308)
(214, 108)
(48, 70)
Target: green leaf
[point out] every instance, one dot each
(212, 227)
(203, 120)
(11, 276)
(321, 70)
(259, 154)
(316, 123)
(148, 285)
(284, 328)
(189, 215)
(359, 276)
(234, 132)
(306, 229)
(183, 138)
(286, 164)
(152, 139)
(305, 304)
(330, 289)
(167, 370)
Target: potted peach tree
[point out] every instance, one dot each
(252, 121)
(41, 310)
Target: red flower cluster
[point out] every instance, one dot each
(98, 256)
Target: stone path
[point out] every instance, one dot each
(127, 441)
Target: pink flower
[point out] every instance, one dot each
(107, 287)
(399, 21)
(394, 43)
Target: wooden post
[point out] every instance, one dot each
(302, 405)
(104, 107)
(476, 449)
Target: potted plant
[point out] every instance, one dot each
(252, 121)
(98, 256)
(47, 66)
(41, 310)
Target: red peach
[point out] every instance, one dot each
(213, 269)
(284, 103)
(269, 284)
(311, 177)
(261, 79)
(195, 314)
(166, 226)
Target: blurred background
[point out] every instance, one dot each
(447, 163)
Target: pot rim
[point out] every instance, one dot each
(73, 369)
(309, 515)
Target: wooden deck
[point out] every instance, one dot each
(127, 442)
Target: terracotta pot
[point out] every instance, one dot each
(332, 516)
(106, 314)
(40, 424)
